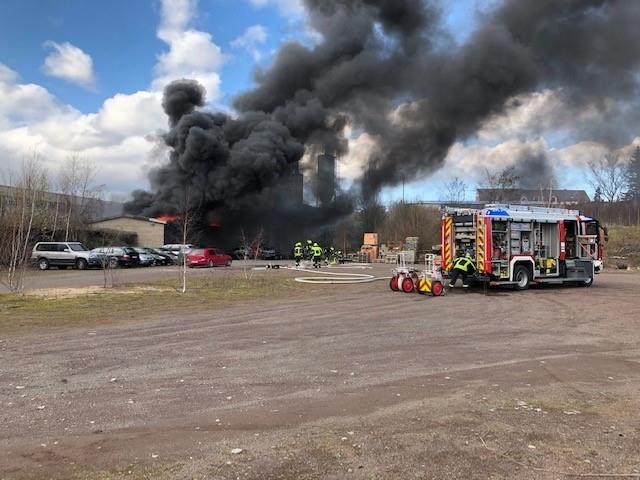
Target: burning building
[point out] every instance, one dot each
(387, 68)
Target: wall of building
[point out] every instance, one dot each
(150, 234)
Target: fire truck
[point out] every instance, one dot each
(521, 245)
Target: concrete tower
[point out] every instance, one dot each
(326, 191)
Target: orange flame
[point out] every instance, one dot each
(168, 217)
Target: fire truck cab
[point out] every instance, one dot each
(519, 245)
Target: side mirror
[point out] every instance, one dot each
(66, 250)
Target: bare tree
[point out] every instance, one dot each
(454, 191)
(21, 219)
(185, 221)
(251, 248)
(498, 182)
(607, 175)
(76, 179)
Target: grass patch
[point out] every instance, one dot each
(140, 301)
(624, 241)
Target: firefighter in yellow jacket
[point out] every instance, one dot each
(297, 253)
(462, 267)
(317, 253)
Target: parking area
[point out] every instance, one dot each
(351, 381)
(54, 278)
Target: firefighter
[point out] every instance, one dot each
(329, 255)
(308, 250)
(462, 267)
(297, 253)
(317, 254)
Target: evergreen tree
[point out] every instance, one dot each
(633, 176)
(597, 197)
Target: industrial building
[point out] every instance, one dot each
(541, 197)
(148, 232)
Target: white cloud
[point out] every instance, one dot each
(70, 63)
(253, 36)
(192, 53)
(288, 8)
(534, 114)
(361, 147)
(471, 161)
(118, 137)
(176, 15)
(7, 75)
(24, 103)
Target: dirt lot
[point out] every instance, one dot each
(334, 382)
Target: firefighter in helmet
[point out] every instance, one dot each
(308, 250)
(297, 253)
(317, 254)
(462, 267)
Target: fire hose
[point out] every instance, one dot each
(333, 278)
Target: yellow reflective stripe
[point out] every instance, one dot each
(448, 257)
(480, 248)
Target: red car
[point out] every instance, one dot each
(207, 257)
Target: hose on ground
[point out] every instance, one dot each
(336, 278)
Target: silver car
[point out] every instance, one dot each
(63, 255)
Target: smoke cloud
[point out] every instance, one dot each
(390, 69)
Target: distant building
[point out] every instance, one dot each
(326, 192)
(531, 196)
(149, 232)
(89, 208)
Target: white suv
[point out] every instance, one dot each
(62, 255)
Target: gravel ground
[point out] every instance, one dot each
(357, 382)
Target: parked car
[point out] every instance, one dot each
(178, 249)
(268, 253)
(147, 259)
(207, 257)
(161, 257)
(62, 255)
(117, 256)
(240, 253)
(169, 253)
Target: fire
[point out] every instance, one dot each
(167, 217)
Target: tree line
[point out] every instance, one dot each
(30, 212)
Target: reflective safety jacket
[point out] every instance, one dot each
(464, 264)
(297, 250)
(317, 251)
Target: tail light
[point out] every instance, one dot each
(126, 257)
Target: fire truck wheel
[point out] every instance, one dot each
(393, 283)
(587, 283)
(522, 277)
(407, 285)
(437, 288)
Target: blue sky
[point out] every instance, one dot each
(122, 41)
(86, 77)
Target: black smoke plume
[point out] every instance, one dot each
(389, 68)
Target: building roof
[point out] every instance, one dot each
(532, 196)
(132, 217)
(96, 207)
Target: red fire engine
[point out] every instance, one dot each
(518, 245)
